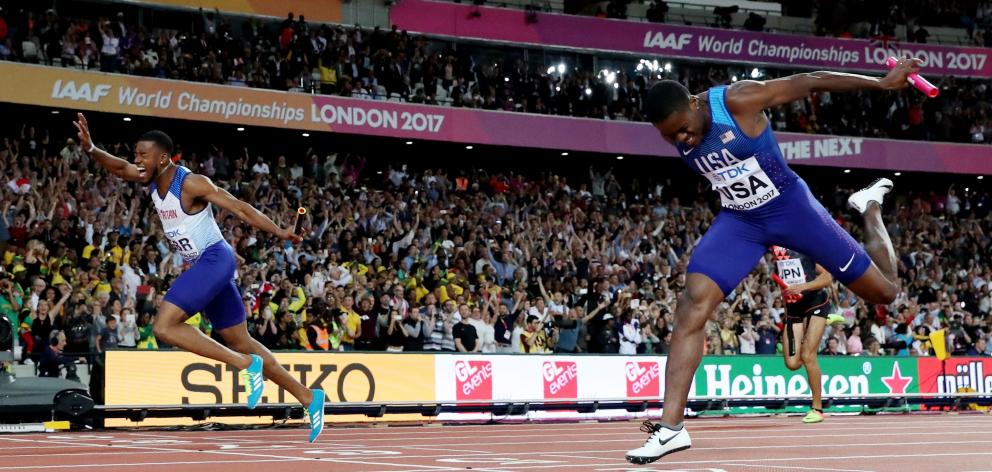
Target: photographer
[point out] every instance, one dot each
(767, 335)
(747, 337)
(630, 333)
(266, 330)
(77, 330)
(368, 340)
(415, 330)
(128, 328)
(533, 339)
(396, 334)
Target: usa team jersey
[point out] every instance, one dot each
(188, 234)
(746, 172)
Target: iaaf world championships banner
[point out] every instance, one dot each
(112, 93)
(691, 42)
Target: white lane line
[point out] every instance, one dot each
(748, 425)
(796, 467)
(139, 464)
(781, 459)
(461, 452)
(752, 434)
(245, 454)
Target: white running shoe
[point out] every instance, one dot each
(663, 441)
(873, 193)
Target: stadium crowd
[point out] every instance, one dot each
(446, 259)
(394, 65)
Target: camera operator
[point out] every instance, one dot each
(52, 358)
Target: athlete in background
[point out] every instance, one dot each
(724, 135)
(807, 313)
(184, 202)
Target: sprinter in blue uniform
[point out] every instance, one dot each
(724, 135)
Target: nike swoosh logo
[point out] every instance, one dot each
(665, 441)
(844, 269)
(686, 153)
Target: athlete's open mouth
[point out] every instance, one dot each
(141, 172)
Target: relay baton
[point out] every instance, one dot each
(785, 286)
(779, 281)
(300, 213)
(920, 83)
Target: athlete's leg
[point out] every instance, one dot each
(807, 227)
(698, 301)
(878, 244)
(724, 256)
(811, 343)
(882, 279)
(237, 338)
(170, 327)
(189, 294)
(792, 342)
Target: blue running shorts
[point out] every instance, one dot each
(208, 287)
(738, 239)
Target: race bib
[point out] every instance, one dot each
(182, 243)
(791, 271)
(743, 186)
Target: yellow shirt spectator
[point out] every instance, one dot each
(352, 324)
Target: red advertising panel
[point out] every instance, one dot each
(474, 380)
(561, 379)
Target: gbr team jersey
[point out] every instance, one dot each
(188, 234)
(747, 172)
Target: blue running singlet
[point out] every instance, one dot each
(764, 204)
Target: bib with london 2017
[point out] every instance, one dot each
(747, 172)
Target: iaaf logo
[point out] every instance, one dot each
(643, 379)
(561, 380)
(666, 41)
(474, 380)
(971, 375)
(83, 91)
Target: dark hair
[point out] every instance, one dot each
(664, 98)
(531, 319)
(162, 140)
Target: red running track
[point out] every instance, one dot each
(897, 443)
